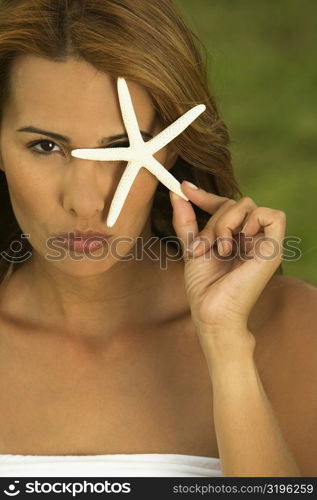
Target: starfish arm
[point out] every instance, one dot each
(175, 129)
(164, 176)
(103, 154)
(122, 191)
(128, 113)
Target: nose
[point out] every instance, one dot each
(85, 188)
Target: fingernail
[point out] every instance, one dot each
(194, 245)
(191, 185)
(227, 246)
(224, 247)
(175, 196)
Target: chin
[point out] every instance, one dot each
(82, 266)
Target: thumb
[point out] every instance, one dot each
(184, 220)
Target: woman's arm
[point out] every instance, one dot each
(250, 441)
(223, 283)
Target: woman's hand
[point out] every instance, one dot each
(223, 284)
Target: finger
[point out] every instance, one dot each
(230, 223)
(267, 226)
(243, 245)
(184, 221)
(272, 223)
(209, 202)
(225, 223)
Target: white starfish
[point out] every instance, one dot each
(139, 154)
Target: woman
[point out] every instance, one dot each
(172, 363)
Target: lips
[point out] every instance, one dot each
(83, 235)
(82, 241)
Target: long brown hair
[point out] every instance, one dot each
(146, 42)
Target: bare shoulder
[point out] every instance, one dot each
(287, 306)
(296, 311)
(287, 336)
(285, 320)
(286, 359)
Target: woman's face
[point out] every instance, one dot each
(52, 192)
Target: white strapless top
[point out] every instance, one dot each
(112, 465)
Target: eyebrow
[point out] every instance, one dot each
(67, 140)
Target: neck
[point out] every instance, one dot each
(121, 296)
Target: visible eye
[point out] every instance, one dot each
(45, 144)
(125, 144)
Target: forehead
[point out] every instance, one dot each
(72, 94)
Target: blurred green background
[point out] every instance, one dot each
(263, 72)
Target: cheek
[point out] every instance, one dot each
(145, 184)
(30, 191)
(138, 203)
